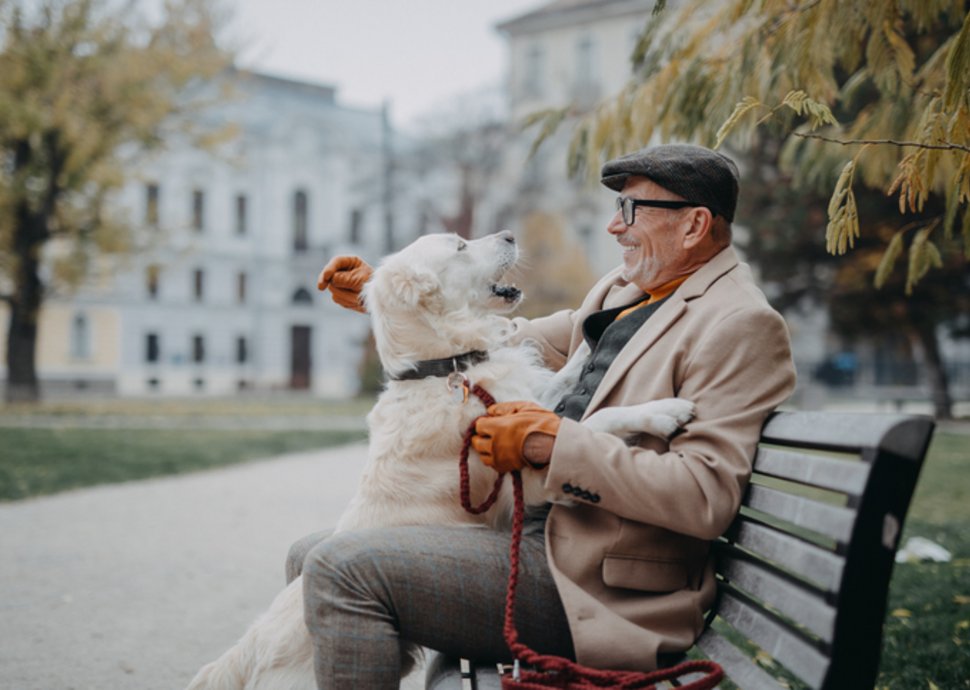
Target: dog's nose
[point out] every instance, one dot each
(507, 236)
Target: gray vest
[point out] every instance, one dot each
(606, 337)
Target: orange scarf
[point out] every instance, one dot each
(661, 292)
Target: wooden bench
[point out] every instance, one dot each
(803, 573)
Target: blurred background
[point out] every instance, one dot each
(180, 188)
(174, 175)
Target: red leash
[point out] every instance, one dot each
(549, 671)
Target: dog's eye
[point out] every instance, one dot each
(462, 246)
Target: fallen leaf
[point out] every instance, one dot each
(763, 658)
(963, 625)
(961, 599)
(933, 686)
(901, 613)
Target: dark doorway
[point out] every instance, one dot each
(300, 339)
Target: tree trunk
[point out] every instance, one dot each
(22, 384)
(935, 370)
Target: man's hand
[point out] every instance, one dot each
(345, 276)
(515, 434)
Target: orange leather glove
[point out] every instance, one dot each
(500, 435)
(345, 276)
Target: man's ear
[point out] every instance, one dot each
(699, 223)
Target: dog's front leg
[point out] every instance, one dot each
(657, 417)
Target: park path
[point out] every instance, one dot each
(137, 585)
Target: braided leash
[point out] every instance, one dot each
(548, 671)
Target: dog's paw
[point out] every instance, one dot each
(662, 425)
(678, 408)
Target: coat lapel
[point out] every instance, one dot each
(658, 324)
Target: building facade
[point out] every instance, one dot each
(220, 293)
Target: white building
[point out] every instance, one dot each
(221, 293)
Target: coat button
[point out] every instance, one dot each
(586, 496)
(595, 498)
(567, 488)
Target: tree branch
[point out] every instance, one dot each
(917, 144)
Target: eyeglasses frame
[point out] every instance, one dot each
(624, 202)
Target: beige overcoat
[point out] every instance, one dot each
(631, 559)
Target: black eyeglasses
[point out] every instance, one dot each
(628, 206)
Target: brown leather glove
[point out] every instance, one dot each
(345, 276)
(500, 435)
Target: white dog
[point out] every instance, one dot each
(435, 308)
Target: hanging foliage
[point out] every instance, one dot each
(864, 92)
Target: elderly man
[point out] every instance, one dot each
(621, 578)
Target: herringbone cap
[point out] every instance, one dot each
(695, 173)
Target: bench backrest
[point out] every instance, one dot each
(816, 538)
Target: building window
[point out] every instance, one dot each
(586, 85)
(151, 204)
(199, 384)
(198, 348)
(152, 275)
(242, 350)
(242, 219)
(152, 347)
(356, 224)
(199, 285)
(198, 210)
(241, 287)
(302, 296)
(153, 384)
(80, 337)
(534, 68)
(300, 224)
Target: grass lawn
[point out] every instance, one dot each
(926, 639)
(44, 461)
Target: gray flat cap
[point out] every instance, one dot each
(696, 173)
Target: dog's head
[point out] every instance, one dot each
(439, 296)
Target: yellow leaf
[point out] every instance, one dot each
(963, 625)
(901, 613)
(933, 686)
(740, 110)
(763, 658)
(961, 599)
(889, 257)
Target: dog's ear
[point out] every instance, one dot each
(408, 285)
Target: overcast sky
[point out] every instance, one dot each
(415, 53)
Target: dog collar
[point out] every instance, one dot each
(441, 367)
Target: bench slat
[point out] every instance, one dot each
(804, 606)
(737, 666)
(846, 476)
(801, 658)
(831, 521)
(898, 433)
(808, 561)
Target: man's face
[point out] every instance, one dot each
(653, 247)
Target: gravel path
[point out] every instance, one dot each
(138, 585)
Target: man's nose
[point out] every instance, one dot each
(616, 225)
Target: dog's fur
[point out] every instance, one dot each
(437, 298)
